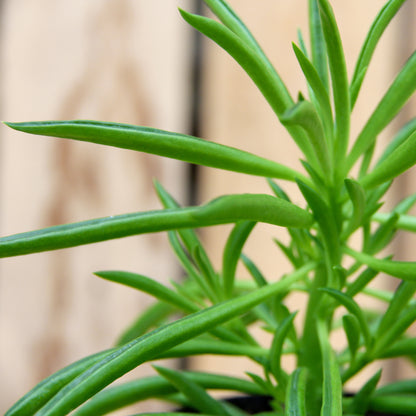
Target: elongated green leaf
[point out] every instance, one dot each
(405, 270)
(159, 142)
(223, 210)
(352, 331)
(324, 217)
(31, 402)
(402, 296)
(277, 348)
(150, 286)
(357, 196)
(339, 77)
(247, 57)
(304, 114)
(402, 135)
(405, 222)
(402, 348)
(254, 271)
(229, 18)
(135, 391)
(318, 46)
(354, 309)
(401, 159)
(319, 91)
(332, 385)
(196, 395)
(131, 355)
(214, 347)
(393, 100)
(399, 404)
(407, 386)
(257, 69)
(361, 400)
(190, 239)
(395, 331)
(152, 317)
(382, 235)
(380, 23)
(295, 393)
(232, 252)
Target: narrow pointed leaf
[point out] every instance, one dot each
(402, 135)
(159, 142)
(131, 392)
(402, 296)
(278, 98)
(377, 28)
(145, 348)
(296, 393)
(222, 210)
(256, 68)
(277, 348)
(150, 286)
(361, 400)
(196, 395)
(229, 18)
(405, 270)
(304, 115)
(401, 159)
(357, 196)
(352, 307)
(318, 46)
(393, 100)
(319, 91)
(339, 77)
(232, 252)
(352, 332)
(332, 385)
(31, 402)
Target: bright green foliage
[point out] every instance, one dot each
(213, 311)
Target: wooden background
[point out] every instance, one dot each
(132, 61)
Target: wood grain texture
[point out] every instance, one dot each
(118, 60)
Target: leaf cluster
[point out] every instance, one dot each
(212, 311)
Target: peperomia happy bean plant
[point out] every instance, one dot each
(216, 310)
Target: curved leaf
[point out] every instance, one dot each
(393, 100)
(222, 210)
(159, 142)
(125, 358)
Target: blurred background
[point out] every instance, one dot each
(137, 61)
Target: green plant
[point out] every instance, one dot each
(217, 309)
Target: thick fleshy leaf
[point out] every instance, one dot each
(150, 286)
(296, 393)
(405, 270)
(135, 391)
(159, 142)
(393, 100)
(304, 115)
(332, 385)
(222, 210)
(318, 45)
(377, 28)
(196, 395)
(232, 252)
(31, 402)
(352, 306)
(339, 77)
(125, 358)
(319, 92)
(352, 332)
(257, 69)
(357, 196)
(360, 402)
(401, 159)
